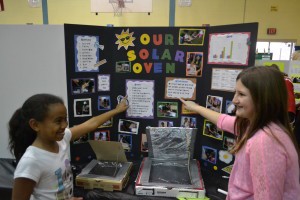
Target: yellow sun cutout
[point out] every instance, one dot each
(125, 39)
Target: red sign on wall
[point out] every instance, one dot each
(271, 31)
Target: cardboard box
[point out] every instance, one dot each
(111, 169)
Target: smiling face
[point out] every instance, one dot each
(125, 39)
(243, 101)
(52, 128)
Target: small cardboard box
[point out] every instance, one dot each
(111, 169)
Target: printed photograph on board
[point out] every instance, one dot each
(230, 108)
(126, 141)
(191, 36)
(83, 85)
(164, 123)
(211, 130)
(214, 103)
(228, 143)
(128, 126)
(123, 67)
(82, 107)
(103, 135)
(194, 64)
(104, 102)
(188, 122)
(209, 154)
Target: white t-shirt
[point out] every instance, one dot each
(51, 171)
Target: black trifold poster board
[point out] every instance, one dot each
(154, 66)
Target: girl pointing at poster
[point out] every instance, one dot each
(40, 141)
(267, 155)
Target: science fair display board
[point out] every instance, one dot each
(154, 66)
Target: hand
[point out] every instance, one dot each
(189, 105)
(123, 105)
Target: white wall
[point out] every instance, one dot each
(32, 60)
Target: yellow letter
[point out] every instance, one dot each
(137, 68)
(131, 55)
(145, 39)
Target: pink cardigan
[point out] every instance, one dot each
(263, 169)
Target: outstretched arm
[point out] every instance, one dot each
(204, 112)
(95, 122)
